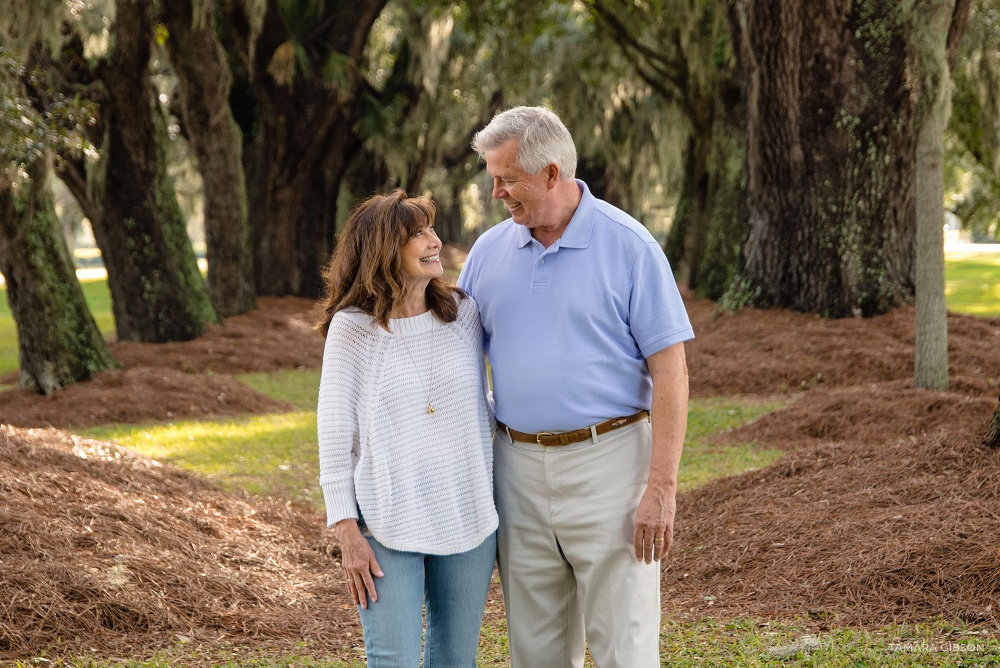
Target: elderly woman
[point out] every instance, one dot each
(405, 438)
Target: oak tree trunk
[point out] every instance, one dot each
(308, 134)
(157, 289)
(58, 340)
(830, 157)
(204, 80)
(685, 245)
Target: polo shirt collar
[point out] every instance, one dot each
(581, 225)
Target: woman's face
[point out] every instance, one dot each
(420, 257)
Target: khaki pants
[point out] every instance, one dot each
(566, 560)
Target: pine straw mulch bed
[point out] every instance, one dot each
(884, 507)
(102, 548)
(889, 517)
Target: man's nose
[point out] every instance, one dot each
(498, 190)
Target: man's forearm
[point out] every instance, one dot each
(668, 369)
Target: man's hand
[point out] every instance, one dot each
(654, 525)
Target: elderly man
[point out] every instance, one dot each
(584, 331)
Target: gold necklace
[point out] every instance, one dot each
(420, 377)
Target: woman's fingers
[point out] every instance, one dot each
(360, 567)
(353, 590)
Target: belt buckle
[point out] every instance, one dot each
(542, 434)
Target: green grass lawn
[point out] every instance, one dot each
(972, 283)
(739, 643)
(703, 459)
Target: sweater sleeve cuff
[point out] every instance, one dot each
(341, 503)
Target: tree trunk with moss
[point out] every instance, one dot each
(830, 190)
(310, 95)
(204, 80)
(157, 289)
(831, 153)
(685, 245)
(58, 340)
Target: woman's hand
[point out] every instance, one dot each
(358, 561)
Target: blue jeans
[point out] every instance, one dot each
(452, 587)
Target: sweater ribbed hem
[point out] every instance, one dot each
(341, 502)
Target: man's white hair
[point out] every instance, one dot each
(542, 139)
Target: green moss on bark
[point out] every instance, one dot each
(58, 340)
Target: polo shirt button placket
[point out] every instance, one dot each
(540, 276)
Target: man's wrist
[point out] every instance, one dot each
(666, 486)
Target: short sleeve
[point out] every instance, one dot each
(657, 317)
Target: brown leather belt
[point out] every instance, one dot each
(570, 437)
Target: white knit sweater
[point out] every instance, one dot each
(424, 482)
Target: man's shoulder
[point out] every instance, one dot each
(499, 234)
(620, 224)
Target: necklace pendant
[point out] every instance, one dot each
(430, 408)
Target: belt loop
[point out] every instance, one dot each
(507, 429)
(593, 433)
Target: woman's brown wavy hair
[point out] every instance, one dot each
(365, 270)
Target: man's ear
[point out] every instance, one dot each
(552, 175)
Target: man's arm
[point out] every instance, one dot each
(654, 519)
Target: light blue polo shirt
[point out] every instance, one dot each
(569, 327)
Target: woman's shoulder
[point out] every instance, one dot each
(467, 306)
(352, 319)
(467, 318)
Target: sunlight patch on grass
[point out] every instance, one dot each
(704, 459)
(299, 388)
(268, 455)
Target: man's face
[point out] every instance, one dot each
(524, 195)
